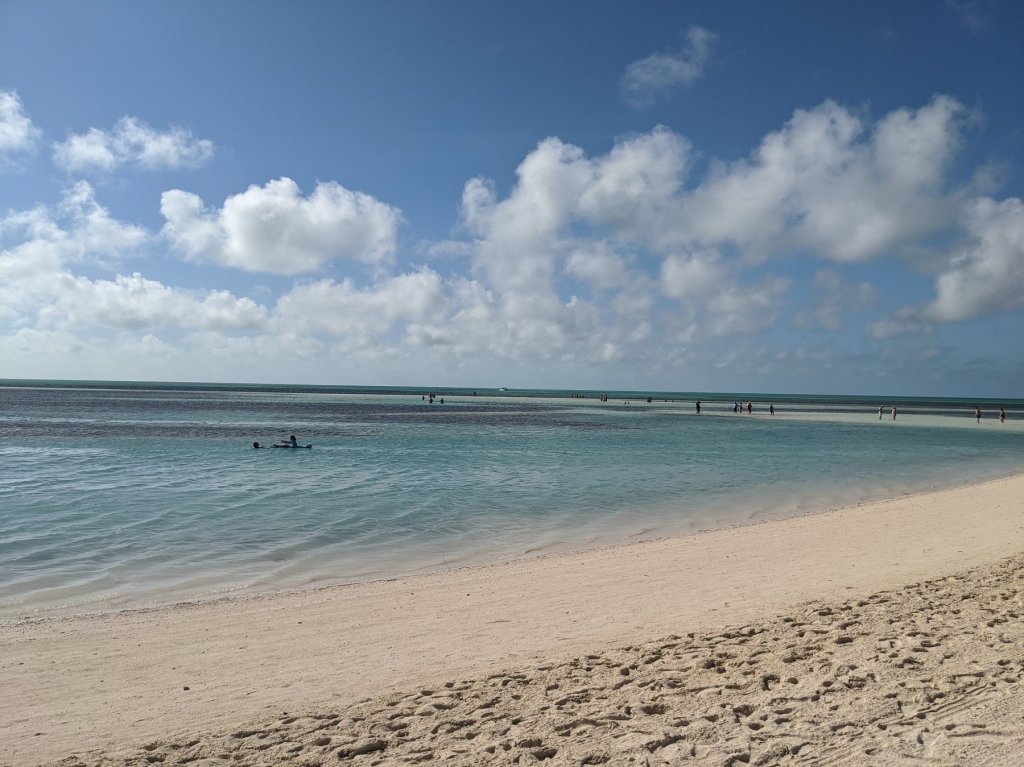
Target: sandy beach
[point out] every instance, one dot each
(885, 633)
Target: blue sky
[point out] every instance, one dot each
(737, 196)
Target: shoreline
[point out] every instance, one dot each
(610, 538)
(107, 681)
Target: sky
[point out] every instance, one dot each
(806, 197)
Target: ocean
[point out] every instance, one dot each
(119, 495)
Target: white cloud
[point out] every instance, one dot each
(131, 142)
(985, 273)
(913, 148)
(275, 229)
(520, 238)
(419, 310)
(819, 184)
(525, 252)
(94, 231)
(623, 228)
(598, 266)
(708, 289)
(626, 195)
(585, 261)
(478, 201)
(651, 77)
(364, 314)
(826, 184)
(633, 187)
(38, 289)
(137, 303)
(987, 276)
(693, 276)
(29, 342)
(40, 241)
(92, 150)
(17, 133)
(635, 302)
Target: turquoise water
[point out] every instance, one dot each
(127, 495)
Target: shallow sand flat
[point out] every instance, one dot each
(462, 664)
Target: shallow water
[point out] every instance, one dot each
(133, 495)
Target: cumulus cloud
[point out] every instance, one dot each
(364, 314)
(273, 228)
(417, 309)
(136, 303)
(40, 241)
(634, 189)
(420, 310)
(829, 184)
(987, 276)
(17, 133)
(824, 184)
(526, 256)
(746, 308)
(652, 77)
(709, 288)
(571, 221)
(603, 257)
(984, 273)
(693, 276)
(599, 266)
(586, 260)
(520, 238)
(39, 249)
(132, 142)
(626, 194)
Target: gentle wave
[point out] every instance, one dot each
(113, 499)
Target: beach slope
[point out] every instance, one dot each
(882, 633)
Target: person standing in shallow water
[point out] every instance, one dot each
(977, 414)
(771, 409)
(1002, 416)
(698, 407)
(880, 408)
(894, 412)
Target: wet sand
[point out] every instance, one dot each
(882, 633)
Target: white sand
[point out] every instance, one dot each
(526, 662)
